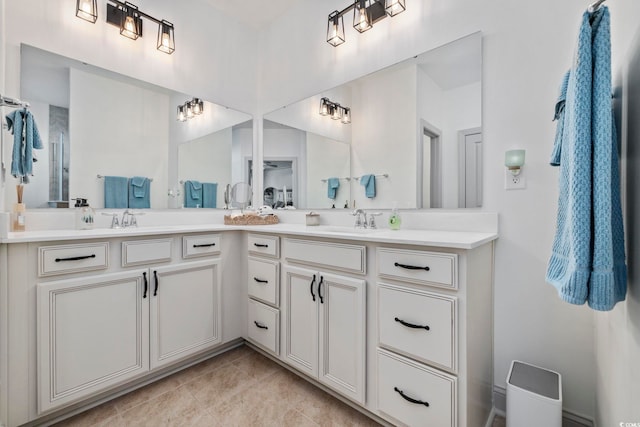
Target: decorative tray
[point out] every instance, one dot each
(251, 220)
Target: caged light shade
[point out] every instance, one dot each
(130, 23)
(87, 10)
(335, 29)
(394, 7)
(336, 112)
(361, 17)
(166, 40)
(346, 115)
(324, 107)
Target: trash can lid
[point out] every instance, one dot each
(536, 380)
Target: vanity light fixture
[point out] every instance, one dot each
(514, 160)
(365, 14)
(335, 110)
(128, 18)
(87, 10)
(190, 109)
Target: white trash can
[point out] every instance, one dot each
(534, 396)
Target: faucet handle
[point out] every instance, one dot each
(372, 219)
(133, 222)
(114, 219)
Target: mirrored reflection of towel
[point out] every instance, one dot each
(209, 194)
(332, 187)
(369, 183)
(192, 194)
(116, 192)
(26, 138)
(139, 192)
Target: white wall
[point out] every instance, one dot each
(618, 331)
(527, 48)
(326, 158)
(215, 58)
(127, 130)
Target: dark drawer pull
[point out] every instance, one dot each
(411, 267)
(320, 290)
(411, 325)
(207, 245)
(408, 399)
(76, 258)
(260, 325)
(146, 284)
(313, 281)
(260, 245)
(260, 280)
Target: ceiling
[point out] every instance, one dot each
(255, 13)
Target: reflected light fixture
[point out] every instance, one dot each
(87, 10)
(190, 109)
(365, 14)
(128, 17)
(335, 110)
(514, 160)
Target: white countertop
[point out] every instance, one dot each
(437, 238)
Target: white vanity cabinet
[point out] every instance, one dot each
(324, 324)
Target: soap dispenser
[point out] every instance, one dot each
(84, 214)
(394, 218)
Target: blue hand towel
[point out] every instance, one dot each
(209, 194)
(139, 192)
(116, 192)
(192, 194)
(369, 183)
(332, 187)
(26, 138)
(588, 261)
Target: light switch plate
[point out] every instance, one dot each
(517, 182)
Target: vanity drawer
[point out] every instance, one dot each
(63, 259)
(418, 310)
(429, 268)
(259, 244)
(138, 252)
(201, 245)
(420, 383)
(264, 326)
(263, 277)
(336, 256)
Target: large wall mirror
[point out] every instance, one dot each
(96, 123)
(414, 130)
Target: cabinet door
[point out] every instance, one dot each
(185, 310)
(300, 329)
(342, 335)
(92, 333)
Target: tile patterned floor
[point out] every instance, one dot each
(238, 388)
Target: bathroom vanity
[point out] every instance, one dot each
(398, 323)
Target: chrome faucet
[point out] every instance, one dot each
(371, 223)
(361, 218)
(129, 219)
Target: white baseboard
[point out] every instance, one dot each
(569, 418)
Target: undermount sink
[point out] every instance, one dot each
(344, 229)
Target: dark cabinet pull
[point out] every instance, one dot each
(320, 290)
(411, 267)
(155, 276)
(408, 399)
(146, 284)
(260, 280)
(313, 281)
(260, 245)
(411, 325)
(207, 245)
(260, 325)
(76, 258)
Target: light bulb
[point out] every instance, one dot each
(86, 6)
(165, 39)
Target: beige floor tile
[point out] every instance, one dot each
(103, 415)
(177, 407)
(146, 393)
(293, 418)
(209, 365)
(219, 385)
(256, 365)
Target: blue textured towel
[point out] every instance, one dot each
(588, 262)
(116, 190)
(139, 192)
(192, 194)
(26, 138)
(332, 187)
(369, 183)
(209, 195)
